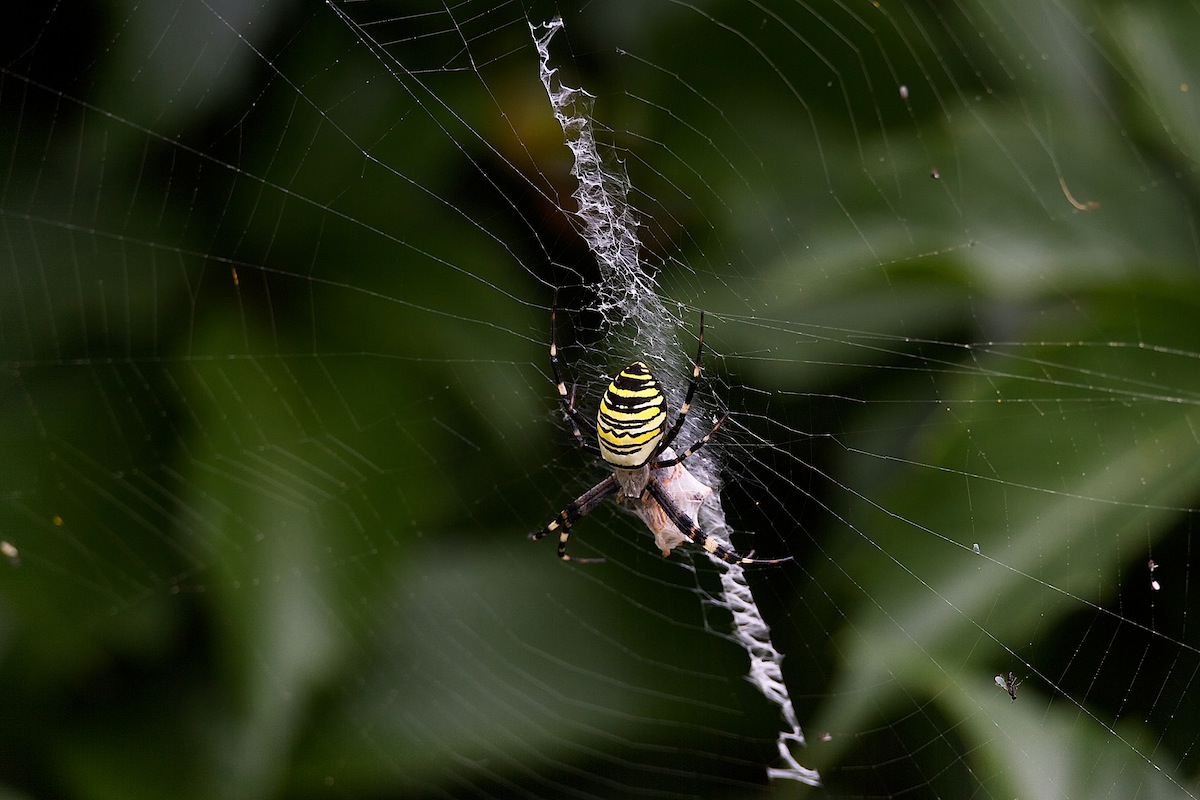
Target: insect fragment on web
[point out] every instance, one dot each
(1010, 685)
(687, 492)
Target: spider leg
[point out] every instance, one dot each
(574, 416)
(697, 536)
(578, 420)
(691, 391)
(580, 507)
(670, 462)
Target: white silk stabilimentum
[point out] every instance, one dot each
(610, 229)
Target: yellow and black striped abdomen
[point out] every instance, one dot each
(632, 418)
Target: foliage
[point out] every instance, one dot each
(278, 416)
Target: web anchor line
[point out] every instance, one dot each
(609, 227)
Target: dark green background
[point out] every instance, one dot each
(277, 414)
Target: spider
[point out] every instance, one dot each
(633, 439)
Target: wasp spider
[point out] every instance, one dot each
(633, 439)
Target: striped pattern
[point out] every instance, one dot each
(632, 418)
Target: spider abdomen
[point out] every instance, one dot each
(632, 418)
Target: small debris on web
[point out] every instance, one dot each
(1010, 685)
(1090, 205)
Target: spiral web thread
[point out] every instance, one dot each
(625, 291)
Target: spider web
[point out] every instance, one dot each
(278, 413)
